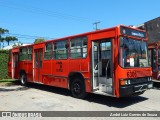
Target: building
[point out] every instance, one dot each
(153, 29)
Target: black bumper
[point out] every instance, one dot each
(135, 89)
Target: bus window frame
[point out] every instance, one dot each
(51, 51)
(54, 50)
(26, 57)
(81, 47)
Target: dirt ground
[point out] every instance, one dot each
(45, 98)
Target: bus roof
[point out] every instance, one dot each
(83, 34)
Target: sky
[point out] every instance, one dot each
(30, 19)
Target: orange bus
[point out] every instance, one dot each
(111, 62)
(154, 59)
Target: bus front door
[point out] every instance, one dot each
(102, 66)
(38, 53)
(95, 65)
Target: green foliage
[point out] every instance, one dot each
(17, 45)
(38, 40)
(8, 82)
(4, 64)
(9, 38)
(2, 31)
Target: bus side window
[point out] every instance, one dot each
(60, 50)
(29, 53)
(78, 47)
(48, 50)
(23, 54)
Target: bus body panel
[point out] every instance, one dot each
(57, 72)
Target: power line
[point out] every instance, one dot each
(54, 14)
(27, 36)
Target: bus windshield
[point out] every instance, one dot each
(133, 53)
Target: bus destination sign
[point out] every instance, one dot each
(132, 32)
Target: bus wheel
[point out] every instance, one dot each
(23, 79)
(78, 88)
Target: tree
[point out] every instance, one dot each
(9, 38)
(38, 40)
(17, 45)
(1, 41)
(2, 31)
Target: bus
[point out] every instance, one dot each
(154, 59)
(111, 62)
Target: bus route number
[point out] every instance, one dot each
(131, 74)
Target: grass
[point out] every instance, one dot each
(7, 82)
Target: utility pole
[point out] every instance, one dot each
(96, 24)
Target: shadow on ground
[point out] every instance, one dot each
(156, 85)
(116, 102)
(100, 99)
(7, 87)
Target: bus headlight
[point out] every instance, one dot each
(129, 82)
(149, 78)
(125, 82)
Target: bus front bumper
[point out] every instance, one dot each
(135, 89)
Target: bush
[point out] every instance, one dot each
(4, 64)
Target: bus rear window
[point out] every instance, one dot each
(48, 50)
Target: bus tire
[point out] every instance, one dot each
(78, 88)
(23, 79)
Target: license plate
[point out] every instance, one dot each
(150, 86)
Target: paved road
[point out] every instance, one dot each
(43, 98)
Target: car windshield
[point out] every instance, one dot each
(133, 53)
